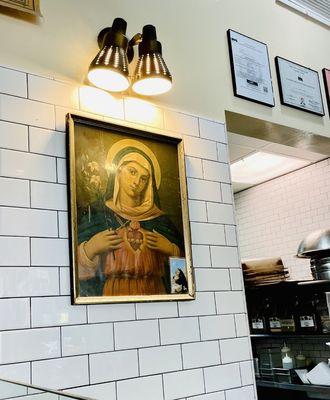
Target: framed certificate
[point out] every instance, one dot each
(250, 69)
(299, 86)
(326, 78)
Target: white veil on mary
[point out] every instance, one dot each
(121, 153)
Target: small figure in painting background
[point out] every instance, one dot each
(179, 284)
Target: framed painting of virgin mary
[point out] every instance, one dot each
(130, 237)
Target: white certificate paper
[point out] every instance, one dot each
(250, 68)
(299, 86)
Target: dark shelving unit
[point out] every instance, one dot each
(285, 291)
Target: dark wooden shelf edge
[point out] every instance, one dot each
(311, 282)
(288, 283)
(297, 387)
(293, 335)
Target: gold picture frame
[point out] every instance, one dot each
(29, 6)
(130, 232)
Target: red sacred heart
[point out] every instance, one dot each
(134, 235)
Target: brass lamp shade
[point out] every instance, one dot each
(151, 75)
(109, 69)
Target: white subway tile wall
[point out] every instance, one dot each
(194, 167)
(156, 310)
(14, 192)
(48, 196)
(99, 391)
(146, 388)
(209, 396)
(17, 372)
(8, 390)
(65, 371)
(113, 366)
(48, 142)
(65, 281)
(194, 384)
(159, 351)
(182, 123)
(155, 360)
(13, 82)
(275, 216)
(14, 136)
(217, 327)
(102, 103)
(19, 257)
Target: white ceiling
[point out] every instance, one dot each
(241, 146)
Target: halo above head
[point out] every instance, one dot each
(121, 144)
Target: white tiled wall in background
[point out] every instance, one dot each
(160, 351)
(275, 216)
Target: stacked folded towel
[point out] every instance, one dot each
(264, 271)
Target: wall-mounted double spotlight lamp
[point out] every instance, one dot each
(109, 69)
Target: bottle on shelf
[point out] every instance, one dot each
(274, 321)
(287, 319)
(287, 358)
(296, 313)
(259, 317)
(307, 316)
(300, 360)
(328, 344)
(324, 313)
(316, 304)
(287, 362)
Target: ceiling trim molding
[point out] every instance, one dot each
(309, 7)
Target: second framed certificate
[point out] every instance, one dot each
(250, 69)
(326, 78)
(299, 86)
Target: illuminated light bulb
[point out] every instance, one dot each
(108, 79)
(109, 69)
(152, 86)
(151, 77)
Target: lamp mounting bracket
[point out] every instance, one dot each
(136, 39)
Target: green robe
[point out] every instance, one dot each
(99, 218)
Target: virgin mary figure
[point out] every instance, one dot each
(125, 241)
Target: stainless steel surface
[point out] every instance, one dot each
(321, 268)
(276, 133)
(316, 245)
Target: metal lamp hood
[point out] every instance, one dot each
(109, 70)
